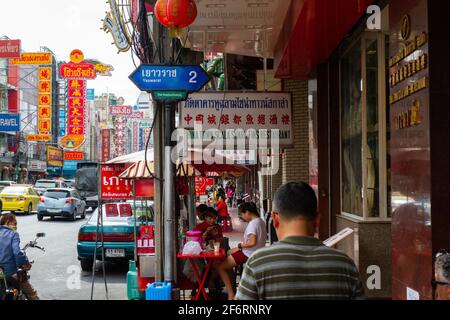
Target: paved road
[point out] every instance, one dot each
(56, 273)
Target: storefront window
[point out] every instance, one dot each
(364, 166)
(372, 132)
(351, 107)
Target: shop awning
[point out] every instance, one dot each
(312, 30)
(138, 170)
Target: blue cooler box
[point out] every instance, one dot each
(158, 291)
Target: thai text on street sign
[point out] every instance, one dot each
(187, 78)
(9, 49)
(38, 58)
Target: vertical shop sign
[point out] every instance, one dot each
(45, 101)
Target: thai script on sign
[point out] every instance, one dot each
(237, 103)
(85, 71)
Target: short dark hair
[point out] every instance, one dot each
(250, 207)
(210, 212)
(7, 218)
(295, 200)
(202, 208)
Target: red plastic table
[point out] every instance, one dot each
(210, 256)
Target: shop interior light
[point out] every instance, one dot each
(257, 4)
(216, 5)
(216, 27)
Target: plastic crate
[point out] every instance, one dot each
(158, 291)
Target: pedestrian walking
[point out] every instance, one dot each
(299, 266)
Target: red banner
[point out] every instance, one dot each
(200, 186)
(70, 156)
(77, 71)
(9, 49)
(77, 102)
(106, 145)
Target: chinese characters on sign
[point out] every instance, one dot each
(73, 156)
(76, 107)
(231, 111)
(106, 142)
(77, 71)
(45, 102)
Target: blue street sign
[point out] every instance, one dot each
(169, 78)
(90, 94)
(9, 122)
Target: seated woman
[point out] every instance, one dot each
(200, 211)
(255, 236)
(209, 228)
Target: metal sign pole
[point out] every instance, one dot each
(169, 195)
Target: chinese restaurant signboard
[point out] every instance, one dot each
(45, 102)
(9, 49)
(77, 71)
(239, 110)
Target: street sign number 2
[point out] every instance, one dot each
(193, 77)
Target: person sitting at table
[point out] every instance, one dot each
(255, 236)
(200, 211)
(209, 228)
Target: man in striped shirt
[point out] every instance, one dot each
(299, 266)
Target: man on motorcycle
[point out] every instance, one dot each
(11, 257)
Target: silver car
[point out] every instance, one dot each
(60, 202)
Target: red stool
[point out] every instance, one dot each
(227, 225)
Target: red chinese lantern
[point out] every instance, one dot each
(176, 13)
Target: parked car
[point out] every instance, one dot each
(70, 183)
(118, 233)
(65, 203)
(20, 198)
(4, 184)
(43, 185)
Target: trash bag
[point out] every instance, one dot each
(192, 247)
(188, 271)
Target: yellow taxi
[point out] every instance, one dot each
(19, 198)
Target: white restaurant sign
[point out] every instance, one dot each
(239, 110)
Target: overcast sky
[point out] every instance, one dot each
(64, 25)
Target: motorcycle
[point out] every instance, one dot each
(9, 286)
